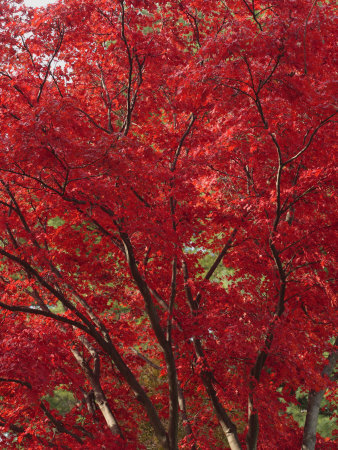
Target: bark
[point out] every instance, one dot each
(253, 431)
(139, 392)
(103, 341)
(93, 376)
(314, 401)
(253, 419)
(186, 422)
(228, 427)
(99, 396)
(91, 327)
(172, 436)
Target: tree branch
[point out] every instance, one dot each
(306, 146)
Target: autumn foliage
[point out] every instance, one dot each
(167, 220)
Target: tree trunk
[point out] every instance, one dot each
(187, 425)
(99, 396)
(252, 435)
(315, 398)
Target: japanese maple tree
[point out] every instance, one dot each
(167, 222)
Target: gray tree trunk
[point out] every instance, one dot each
(315, 398)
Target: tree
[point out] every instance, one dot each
(141, 141)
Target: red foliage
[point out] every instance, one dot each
(137, 138)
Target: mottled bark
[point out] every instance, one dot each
(186, 422)
(99, 396)
(314, 401)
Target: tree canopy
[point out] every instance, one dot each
(167, 223)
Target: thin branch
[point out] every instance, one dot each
(147, 360)
(306, 146)
(195, 26)
(172, 298)
(108, 100)
(56, 84)
(254, 15)
(180, 145)
(298, 197)
(12, 380)
(148, 205)
(24, 43)
(56, 51)
(91, 120)
(39, 312)
(305, 31)
(217, 261)
(30, 270)
(221, 255)
(59, 425)
(17, 88)
(262, 83)
(126, 125)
